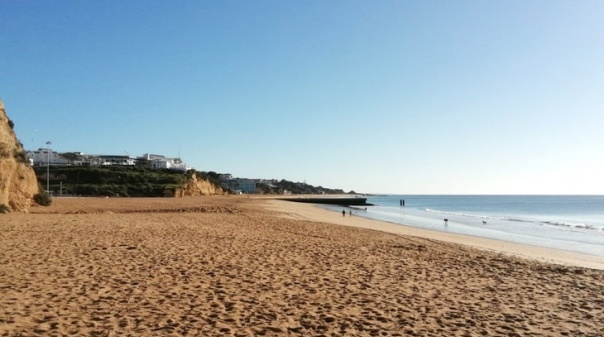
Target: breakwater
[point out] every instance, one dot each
(332, 201)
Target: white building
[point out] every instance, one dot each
(111, 160)
(162, 162)
(247, 186)
(43, 157)
(47, 156)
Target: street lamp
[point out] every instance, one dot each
(48, 167)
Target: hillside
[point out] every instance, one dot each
(133, 181)
(281, 186)
(125, 181)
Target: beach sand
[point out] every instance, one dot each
(314, 213)
(237, 266)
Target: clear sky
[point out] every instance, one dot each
(443, 97)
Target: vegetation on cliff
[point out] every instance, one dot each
(136, 181)
(282, 186)
(124, 181)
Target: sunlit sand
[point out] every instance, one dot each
(237, 266)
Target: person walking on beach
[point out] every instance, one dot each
(350, 212)
(343, 213)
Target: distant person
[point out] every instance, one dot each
(484, 222)
(350, 212)
(446, 221)
(343, 213)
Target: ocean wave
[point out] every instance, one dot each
(553, 224)
(470, 215)
(575, 226)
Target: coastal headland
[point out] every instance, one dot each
(238, 266)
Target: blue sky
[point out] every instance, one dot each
(445, 97)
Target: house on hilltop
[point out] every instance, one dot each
(239, 185)
(159, 162)
(112, 160)
(44, 156)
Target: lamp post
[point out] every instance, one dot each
(48, 167)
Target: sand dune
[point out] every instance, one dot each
(225, 266)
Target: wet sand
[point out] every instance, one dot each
(312, 212)
(233, 266)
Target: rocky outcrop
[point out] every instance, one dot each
(18, 183)
(196, 186)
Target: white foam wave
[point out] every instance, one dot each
(553, 224)
(469, 215)
(571, 226)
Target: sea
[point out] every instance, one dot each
(567, 222)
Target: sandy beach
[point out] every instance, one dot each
(314, 213)
(238, 266)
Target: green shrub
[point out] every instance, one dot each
(20, 156)
(43, 199)
(4, 209)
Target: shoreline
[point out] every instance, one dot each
(236, 266)
(301, 211)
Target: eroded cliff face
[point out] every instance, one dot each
(18, 183)
(196, 186)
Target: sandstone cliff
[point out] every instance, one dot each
(18, 183)
(195, 186)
